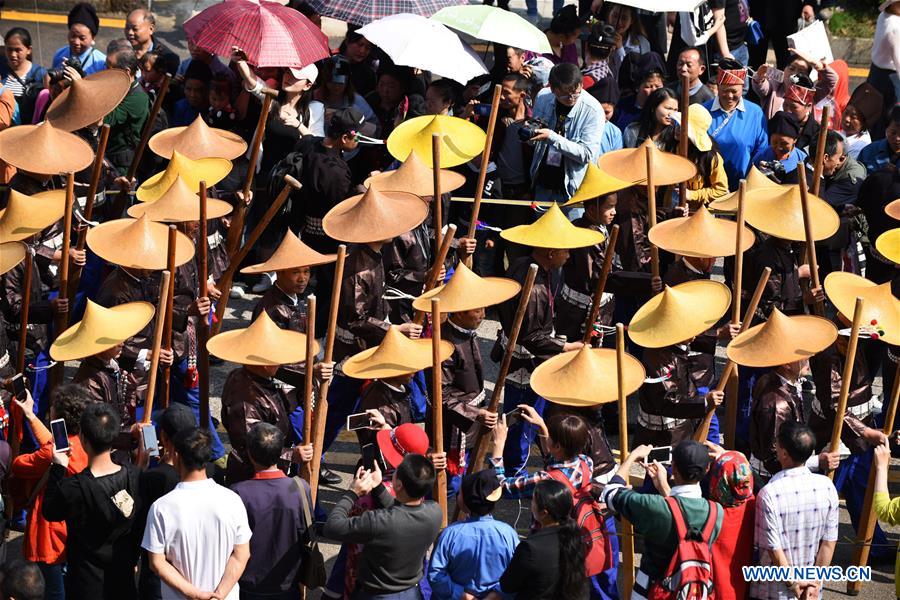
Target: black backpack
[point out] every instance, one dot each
(291, 164)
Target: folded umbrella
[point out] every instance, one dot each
(493, 24)
(414, 41)
(363, 12)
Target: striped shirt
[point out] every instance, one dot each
(522, 485)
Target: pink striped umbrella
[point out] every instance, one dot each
(270, 34)
(363, 12)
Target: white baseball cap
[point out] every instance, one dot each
(310, 72)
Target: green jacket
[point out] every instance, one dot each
(126, 122)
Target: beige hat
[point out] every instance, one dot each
(11, 254)
(553, 230)
(100, 329)
(374, 216)
(879, 304)
(630, 165)
(755, 181)
(777, 211)
(263, 343)
(198, 140)
(585, 377)
(893, 209)
(24, 216)
(415, 177)
(888, 244)
(782, 340)
(596, 183)
(679, 313)
(700, 235)
(44, 149)
(468, 291)
(291, 254)
(461, 140)
(179, 204)
(138, 243)
(210, 170)
(86, 101)
(396, 355)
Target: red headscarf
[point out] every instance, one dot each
(731, 479)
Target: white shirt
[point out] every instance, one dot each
(855, 143)
(197, 525)
(886, 43)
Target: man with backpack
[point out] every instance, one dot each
(679, 529)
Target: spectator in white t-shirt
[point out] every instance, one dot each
(197, 535)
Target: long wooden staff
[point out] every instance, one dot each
(437, 407)
(818, 307)
(17, 418)
(867, 517)
(157, 344)
(240, 212)
(651, 210)
(820, 150)
(626, 538)
(234, 260)
(684, 140)
(62, 319)
(436, 203)
(601, 285)
(75, 276)
(731, 385)
(308, 405)
(203, 322)
(419, 317)
(703, 430)
(846, 380)
(479, 450)
(322, 400)
(167, 316)
(482, 173)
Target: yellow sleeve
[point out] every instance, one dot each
(887, 510)
(718, 184)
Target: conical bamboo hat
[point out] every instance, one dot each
(263, 343)
(100, 329)
(679, 313)
(782, 340)
(585, 377)
(396, 355)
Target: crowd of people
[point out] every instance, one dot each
(643, 153)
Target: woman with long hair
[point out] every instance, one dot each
(655, 122)
(711, 181)
(630, 34)
(19, 74)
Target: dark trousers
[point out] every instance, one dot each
(778, 20)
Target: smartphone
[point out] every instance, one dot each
(358, 421)
(60, 434)
(662, 455)
(775, 75)
(368, 457)
(151, 444)
(19, 384)
(483, 110)
(513, 416)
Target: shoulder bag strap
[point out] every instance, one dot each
(678, 517)
(304, 503)
(711, 519)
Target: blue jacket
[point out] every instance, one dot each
(92, 60)
(740, 138)
(581, 143)
(877, 155)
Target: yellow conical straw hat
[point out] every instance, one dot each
(263, 343)
(198, 140)
(89, 99)
(893, 209)
(461, 142)
(290, 254)
(179, 204)
(468, 291)
(700, 235)
(888, 244)
(11, 254)
(755, 181)
(552, 230)
(374, 216)
(415, 177)
(782, 340)
(210, 170)
(879, 304)
(396, 355)
(585, 377)
(25, 216)
(630, 165)
(777, 211)
(596, 183)
(679, 313)
(100, 329)
(138, 243)
(44, 149)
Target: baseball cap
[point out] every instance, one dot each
(481, 491)
(344, 121)
(310, 72)
(692, 460)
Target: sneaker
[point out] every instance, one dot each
(328, 477)
(237, 292)
(264, 284)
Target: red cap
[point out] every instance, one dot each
(401, 440)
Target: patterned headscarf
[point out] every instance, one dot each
(731, 479)
(731, 76)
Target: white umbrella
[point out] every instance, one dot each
(494, 24)
(415, 41)
(660, 6)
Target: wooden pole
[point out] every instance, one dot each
(167, 316)
(240, 212)
(626, 538)
(684, 140)
(203, 322)
(308, 405)
(17, 418)
(75, 276)
(61, 321)
(867, 517)
(651, 210)
(436, 203)
(601, 285)
(485, 159)
(820, 151)
(234, 260)
(731, 386)
(157, 344)
(703, 430)
(846, 380)
(479, 450)
(437, 407)
(322, 402)
(419, 317)
(818, 307)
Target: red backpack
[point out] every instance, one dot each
(689, 575)
(590, 519)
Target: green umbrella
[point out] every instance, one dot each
(494, 24)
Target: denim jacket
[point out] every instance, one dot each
(581, 143)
